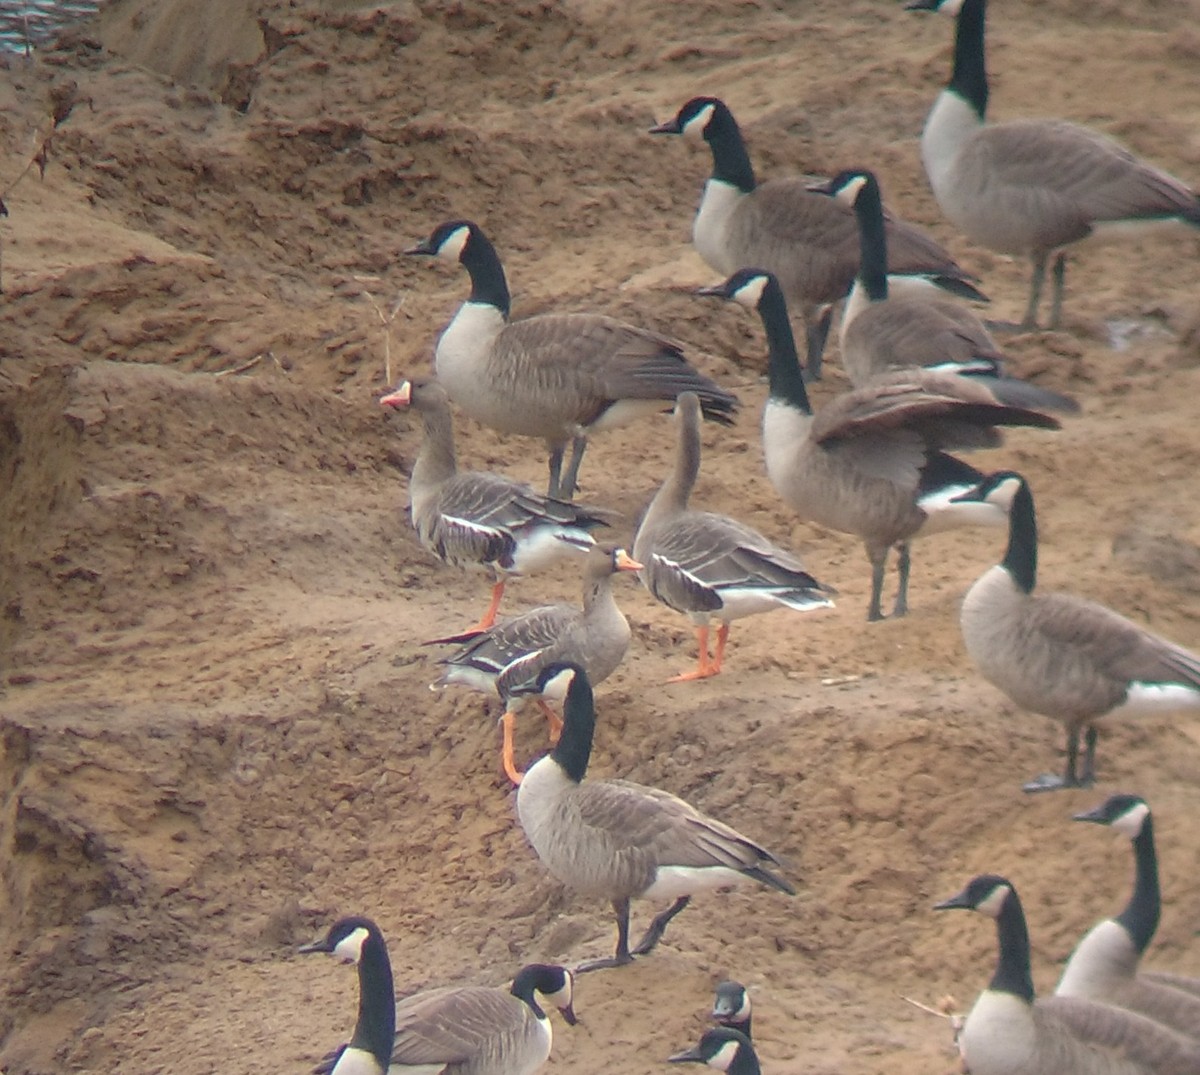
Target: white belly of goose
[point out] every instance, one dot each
(671, 882)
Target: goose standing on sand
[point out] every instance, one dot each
(621, 840)
(560, 377)
(809, 244)
(475, 519)
(513, 651)
(731, 1007)
(1033, 187)
(873, 462)
(360, 941)
(1062, 656)
(711, 566)
(1104, 965)
(882, 332)
(722, 1048)
(1008, 1033)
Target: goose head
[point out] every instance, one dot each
(345, 939)
(731, 1005)
(986, 894)
(745, 287)
(694, 119)
(999, 489)
(945, 7)
(722, 1048)
(847, 185)
(448, 241)
(555, 983)
(604, 560)
(1125, 813)
(417, 394)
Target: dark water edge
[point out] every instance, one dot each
(34, 24)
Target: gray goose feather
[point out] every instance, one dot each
(1032, 187)
(476, 519)
(559, 377)
(809, 244)
(874, 461)
(1060, 655)
(622, 840)
(710, 566)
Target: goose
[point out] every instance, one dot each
(476, 519)
(560, 377)
(621, 840)
(722, 1048)
(358, 940)
(1104, 965)
(1059, 655)
(1009, 1031)
(731, 1007)
(880, 332)
(1033, 187)
(809, 243)
(872, 463)
(511, 652)
(711, 566)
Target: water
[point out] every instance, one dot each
(34, 24)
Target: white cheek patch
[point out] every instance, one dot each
(349, 948)
(452, 246)
(751, 291)
(950, 7)
(1130, 823)
(694, 127)
(557, 687)
(722, 1059)
(993, 904)
(848, 193)
(561, 998)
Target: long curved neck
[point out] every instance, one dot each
(784, 375)
(745, 1062)
(376, 1026)
(488, 283)
(872, 240)
(1012, 969)
(1140, 917)
(731, 162)
(574, 747)
(1020, 558)
(435, 461)
(524, 988)
(969, 76)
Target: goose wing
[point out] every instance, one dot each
(1135, 1039)
(453, 1025)
(904, 332)
(494, 650)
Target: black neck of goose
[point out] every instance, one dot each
(784, 374)
(872, 240)
(1013, 974)
(574, 747)
(745, 1062)
(731, 162)
(525, 987)
(1140, 917)
(376, 1026)
(969, 77)
(1020, 559)
(488, 283)
(742, 1025)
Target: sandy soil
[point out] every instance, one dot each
(217, 732)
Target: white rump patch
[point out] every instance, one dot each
(1157, 698)
(671, 882)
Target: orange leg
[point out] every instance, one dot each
(722, 638)
(509, 720)
(489, 617)
(552, 719)
(704, 667)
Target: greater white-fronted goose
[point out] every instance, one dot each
(731, 1007)
(874, 462)
(511, 653)
(722, 1048)
(1035, 186)
(476, 519)
(882, 332)
(1105, 964)
(1062, 656)
(560, 377)
(710, 566)
(1009, 1031)
(624, 841)
(358, 940)
(809, 244)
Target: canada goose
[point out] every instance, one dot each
(511, 652)
(880, 332)
(707, 565)
(1104, 965)
(1032, 187)
(560, 377)
(359, 940)
(731, 1007)
(872, 463)
(622, 840)
(1007, 1033)
(475, 519)
(1061, 656)
(722, 1048)
(808, 243)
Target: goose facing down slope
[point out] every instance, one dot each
(875, 461)
(560, 377)
(621, 840)
(722, 1048)
(712, 566)
(809, 244)
(1104, 965)
(1062, 656)
(1033, 187)
(476, 519)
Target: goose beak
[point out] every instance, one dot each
(971, 496)
(670, 127)
(959, 902)
(625, 562)
(1096, 814)
(316, 946)
(715, 291)
(824, 187)
(568, 1013)
(688, 1056)
(922, 5)
(421, 248)
(399, 397)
